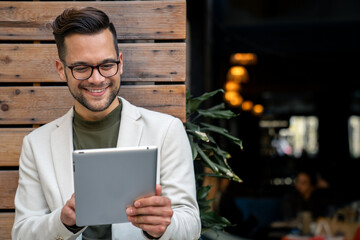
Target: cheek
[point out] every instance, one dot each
(116, 79)
(72, 83)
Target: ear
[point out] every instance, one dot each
(60, 68)
(121, 63)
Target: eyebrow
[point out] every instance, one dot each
(85, 63)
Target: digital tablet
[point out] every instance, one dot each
(108, 180)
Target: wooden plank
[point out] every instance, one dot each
(8, 185)
(6, 223)
(10, 145)
(154, 62)
(39, 105)
(132, 19)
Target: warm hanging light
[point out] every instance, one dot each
(238, 74)
(247, 105)
(258, 109)
(236, 101)
(233, 98)
(232, 86)
(243, 59)
(230, 95)
(237, 70)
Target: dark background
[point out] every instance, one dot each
(308, 61)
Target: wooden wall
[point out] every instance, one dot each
(151, 36)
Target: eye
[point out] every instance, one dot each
(81, 68)
(107, 66)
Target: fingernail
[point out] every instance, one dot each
(137, 204)
(129, 211)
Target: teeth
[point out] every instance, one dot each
(96, 90)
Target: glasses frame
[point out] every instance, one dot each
(92, 69)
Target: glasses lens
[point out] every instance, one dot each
(82, 72)
(108, 69)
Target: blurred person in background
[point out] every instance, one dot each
(311, 193)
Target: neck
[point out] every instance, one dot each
(89, 115)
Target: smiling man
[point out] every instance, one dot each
(91, 64)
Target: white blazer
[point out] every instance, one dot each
(46, 175)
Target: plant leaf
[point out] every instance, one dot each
(193, 147)
(212, 165)
(191, 126)
(223, 132)
(220, 106)
(228, 172)
(203, 191)
(214, 221)
(221, 114)
(194, 103)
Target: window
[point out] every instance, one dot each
(294, 137)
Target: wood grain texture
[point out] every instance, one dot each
(39, 105)
(8, 185)
(132, 19)
(10, 145)
(33, 63)
(143, 62)
(6, 222)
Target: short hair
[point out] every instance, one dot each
(87, 20)
(311, 174)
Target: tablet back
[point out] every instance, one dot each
(109, 180)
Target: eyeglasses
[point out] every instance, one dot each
(85, 71)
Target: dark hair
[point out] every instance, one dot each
(311, 174)
(87, 20)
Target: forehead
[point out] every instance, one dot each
(90, 48)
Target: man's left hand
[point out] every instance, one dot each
(152, 214)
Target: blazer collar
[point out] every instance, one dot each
(61, 149)
(130, 128)
(62, 144)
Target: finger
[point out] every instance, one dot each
(152, 201)
(68, 216)
(151, 220)
(71, 202)
(155, 211)
(158, 190)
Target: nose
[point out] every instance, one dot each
(96, 77)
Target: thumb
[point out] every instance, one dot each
(158, 190)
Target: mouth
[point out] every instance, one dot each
(96, 91)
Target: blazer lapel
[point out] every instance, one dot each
(61, 148)
(130, 128)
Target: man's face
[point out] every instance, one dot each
(96, 94)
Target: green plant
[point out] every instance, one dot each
(206, 150)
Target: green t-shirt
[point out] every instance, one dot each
(97, 134)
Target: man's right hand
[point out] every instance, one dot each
(68, 212)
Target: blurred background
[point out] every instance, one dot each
(290, 69)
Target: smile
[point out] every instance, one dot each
(96, 90)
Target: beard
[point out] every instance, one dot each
(92, 107)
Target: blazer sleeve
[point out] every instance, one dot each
(177, 179)
(33, 218)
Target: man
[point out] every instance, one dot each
(91, 64)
